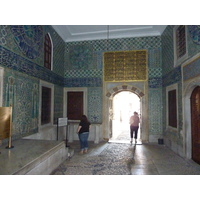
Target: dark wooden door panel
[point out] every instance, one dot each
(46, 105)
(195, 122)
(74, 105)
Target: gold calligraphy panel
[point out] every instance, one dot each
(5, 121)
(125, 66)
(109, 70)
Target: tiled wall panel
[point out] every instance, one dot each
(155, 111)
(23, 66)
(22, 92)
(173, 75)
(95, 104)
(84, 68)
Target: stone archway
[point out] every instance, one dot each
(114, 90)
(108, 107)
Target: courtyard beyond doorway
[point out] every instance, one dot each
(124, 104)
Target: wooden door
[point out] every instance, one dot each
(74, 105)
(195, 123)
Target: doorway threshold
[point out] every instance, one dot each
(124, 141)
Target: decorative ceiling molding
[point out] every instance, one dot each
(70, 33)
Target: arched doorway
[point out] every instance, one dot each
(189, 88)
(195, 124)
(110, 90)
(124, 104)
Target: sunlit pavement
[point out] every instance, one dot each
(126, 159)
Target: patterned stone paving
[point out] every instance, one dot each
(126, 159)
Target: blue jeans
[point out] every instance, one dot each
(83, 137)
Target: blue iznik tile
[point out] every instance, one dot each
(29, 39)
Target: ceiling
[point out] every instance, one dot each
(71, 33)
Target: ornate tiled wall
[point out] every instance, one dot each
(21, 55)
(21, 91)
(167, 50)
(193, 40)
(80, 64)
(155, 112)
(192, 70)
(95, 104)
(84, 68)
(27, 42)
(15, 62)
(172, 75)
(155, 94)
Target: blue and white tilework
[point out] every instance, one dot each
(155, 111)
(22, 92)
(95, 104)
(172, 77)
(3, 34)
(194, 31)
(18, 63)
(191, 70)
(29, 39)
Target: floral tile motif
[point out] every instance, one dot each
(20, 64)
(80, 56)
(29, 39)
(154, 58)
(191, 70)
(95, 104)
(172, 77)
(22, 92)
(155, 82)
(155, 111)
(3, 34)
(194, 31)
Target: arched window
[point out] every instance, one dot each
(47, 52)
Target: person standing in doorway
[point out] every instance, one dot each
(83, 133)
(134, 125)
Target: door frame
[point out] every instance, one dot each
(193, 125)
(110, 89)
(85, 94)
(140, 107)
(188, 88)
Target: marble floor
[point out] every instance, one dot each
(105, 158)
(126, 159)
(28, 154)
